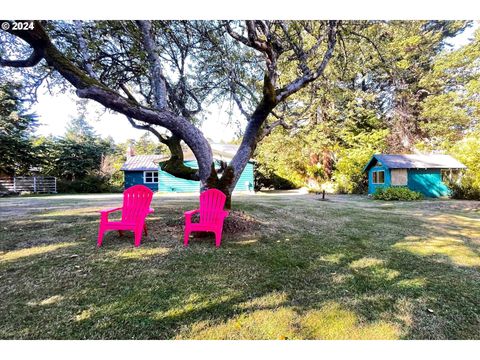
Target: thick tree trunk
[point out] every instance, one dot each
(234, 170)
(327, 163)
(405, 127)
(228, 201)
(175, 165)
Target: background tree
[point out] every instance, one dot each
(80, 159)
(78, 153)
(17, 154)
(145, 145)
(373, 99)
(452, 109)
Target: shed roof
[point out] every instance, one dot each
(223, 152)
(142, 163)
(415, 161)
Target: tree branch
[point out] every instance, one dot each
(269, 128)
(237, 100)
(83, 48)
(174, 165)
(35, 43)
(271, 98)
(237, 36)
(146, 127)
(300, 54)
(300, 82)
(371, 42)
(90, 88)
(156, 71)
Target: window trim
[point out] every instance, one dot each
(373, 177)
(153, 175)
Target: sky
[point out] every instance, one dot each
(54, 112)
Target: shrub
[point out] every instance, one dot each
(270, 180)
(464, 191)
(88, 184)
(396, 193)
(468, 152)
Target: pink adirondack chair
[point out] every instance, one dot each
(211, 215)
(136, 207)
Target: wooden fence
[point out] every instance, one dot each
(33, 184)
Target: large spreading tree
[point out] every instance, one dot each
(159, 75)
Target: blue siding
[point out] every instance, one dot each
(170, 183)
(373, 187)
(428, 182)
(136, 178)
(246, 181)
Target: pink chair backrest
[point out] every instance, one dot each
(136, 202)
(212, 202)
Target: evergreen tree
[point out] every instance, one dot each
(79, 152)
(16, 127)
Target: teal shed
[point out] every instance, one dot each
(141, 170)
(146, 170)
(422, 173)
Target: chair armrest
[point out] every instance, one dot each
(188, 215)
(151, 210)
(225, 213)
(191, 212)
(108, 211)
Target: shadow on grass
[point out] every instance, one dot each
(342, 278)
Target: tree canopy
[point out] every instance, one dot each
(335, 92)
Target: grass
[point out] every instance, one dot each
(347, 268)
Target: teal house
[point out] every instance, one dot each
(145, 170)
(422, 173)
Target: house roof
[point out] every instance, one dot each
(142, 163)
(415, 161)
(223, 152)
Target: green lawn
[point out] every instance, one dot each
(346, 268)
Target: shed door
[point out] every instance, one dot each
(399, 177)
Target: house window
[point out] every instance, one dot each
(378, 177)
(150, 177)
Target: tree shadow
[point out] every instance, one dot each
(291, 281)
